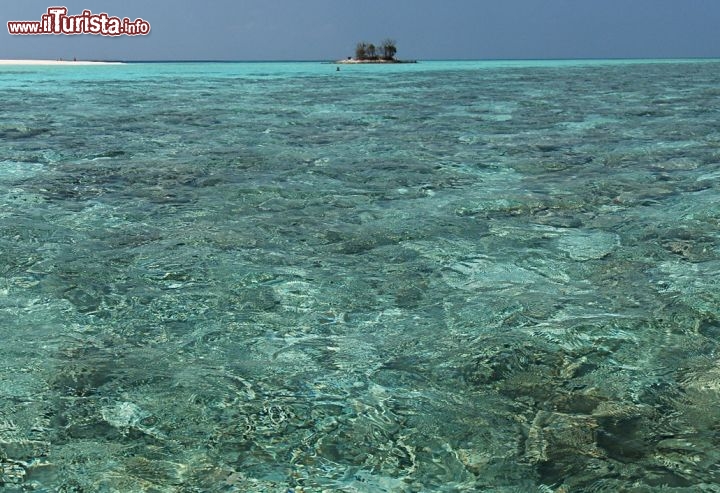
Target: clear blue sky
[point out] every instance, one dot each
(423, 29)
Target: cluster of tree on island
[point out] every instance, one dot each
(368, 51)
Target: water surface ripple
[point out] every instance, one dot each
(451, 276)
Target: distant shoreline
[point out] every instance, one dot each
(55, 62)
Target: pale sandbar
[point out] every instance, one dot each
(55, 62)
(354, 61)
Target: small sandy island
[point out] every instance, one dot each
(55, 62)
(353, 61)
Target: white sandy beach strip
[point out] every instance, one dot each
(54, 62)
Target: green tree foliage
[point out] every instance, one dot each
(361, 51)
(389, 49)
(368, 51)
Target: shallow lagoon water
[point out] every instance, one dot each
(448, 276)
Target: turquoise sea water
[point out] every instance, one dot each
(276, 277)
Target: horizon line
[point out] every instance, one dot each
(325, 60)
(333, 60)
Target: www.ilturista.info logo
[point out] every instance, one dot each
(56, 21)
